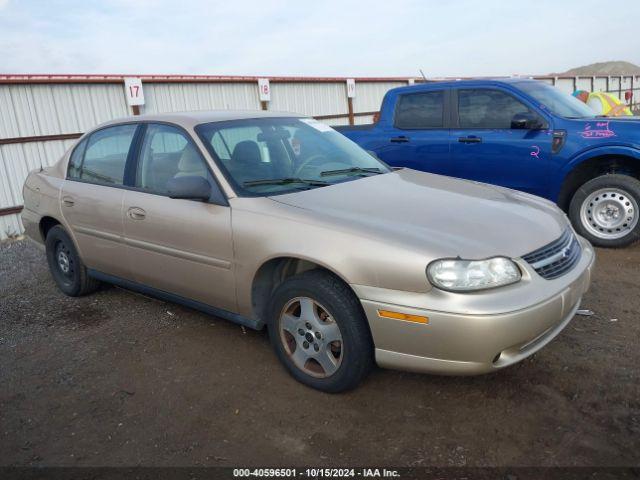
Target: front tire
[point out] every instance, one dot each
(605, 210)
(65, 264)
(318, 330)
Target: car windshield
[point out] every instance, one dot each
(557, 101)
(268, 156)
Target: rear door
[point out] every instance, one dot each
(418, 137)
(485, 148)
(92, 196)
(183, 247)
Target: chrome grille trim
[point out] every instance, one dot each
(556, 258)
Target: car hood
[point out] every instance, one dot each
(434, 214)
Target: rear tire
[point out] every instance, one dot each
(67, 269)
(605, 210)
(319, 331)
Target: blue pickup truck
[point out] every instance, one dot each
(521, 134)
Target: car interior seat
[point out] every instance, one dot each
(246, 162)
(191, 164)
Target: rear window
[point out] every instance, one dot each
(420, 110)
(75, 161)
(102, 157)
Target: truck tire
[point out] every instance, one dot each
(65, 264)
(605, 210)
(319, 332)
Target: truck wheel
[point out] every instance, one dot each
(65, 264)
(319, 332)
(605, 210)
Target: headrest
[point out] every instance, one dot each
(190, 160)
(246, 152)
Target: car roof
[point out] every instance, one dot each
(193, 118)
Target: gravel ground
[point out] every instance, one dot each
(116, 378)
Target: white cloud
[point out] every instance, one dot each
(332, 37)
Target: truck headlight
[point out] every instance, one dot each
(468, 275)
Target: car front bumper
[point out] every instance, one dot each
(467, 343)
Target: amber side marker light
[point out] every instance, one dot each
(403, 316)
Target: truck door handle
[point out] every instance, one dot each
(400, 139)
(136, 213)
(470, 139)
(68, 201)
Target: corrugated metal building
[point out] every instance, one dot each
(40, 116)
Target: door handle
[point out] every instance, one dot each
(470, 139)
(400, 139)
(68, 201)
(136, 213)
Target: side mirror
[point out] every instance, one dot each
(526, 121)
(189, 188)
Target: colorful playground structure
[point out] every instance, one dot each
(604, 103)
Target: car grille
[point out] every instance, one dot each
(557, 258)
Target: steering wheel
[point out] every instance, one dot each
(307, 163)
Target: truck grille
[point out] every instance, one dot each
(556, 258)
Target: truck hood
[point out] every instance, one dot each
(434, 214)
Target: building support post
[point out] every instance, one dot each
(352, 119)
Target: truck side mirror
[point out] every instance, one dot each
(526, 121)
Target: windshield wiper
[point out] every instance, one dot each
(284, 181)
(360, 170)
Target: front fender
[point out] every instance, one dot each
(629, 150)
(622, 150)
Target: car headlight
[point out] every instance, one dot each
(468, 275)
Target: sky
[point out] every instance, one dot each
(314, 37)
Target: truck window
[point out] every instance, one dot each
(483, 108)
(420, 110)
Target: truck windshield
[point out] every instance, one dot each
(557, 101)
(269, 156)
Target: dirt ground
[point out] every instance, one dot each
(117, 378)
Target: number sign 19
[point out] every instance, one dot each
(351, 88)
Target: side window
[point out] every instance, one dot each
(167, 152)
(420, 110)
(106, 155)
(75, 161)
(478, 108)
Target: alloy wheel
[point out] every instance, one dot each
(311, 337)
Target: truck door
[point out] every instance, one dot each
(486, 147)
(418, 135)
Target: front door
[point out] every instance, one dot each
(92, 195)
(485, 148)
(418, 137)
(178, 246)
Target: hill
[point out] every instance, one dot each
(605, 68)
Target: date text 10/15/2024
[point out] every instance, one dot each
(315, 473)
